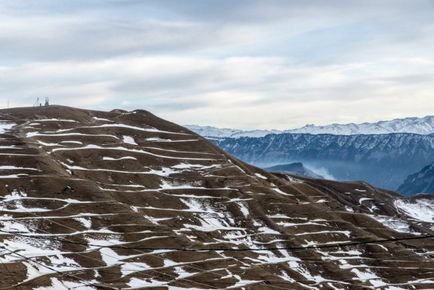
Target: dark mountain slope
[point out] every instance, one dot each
(118, 200)
(419, 182)
(383, 160)
(296, 168)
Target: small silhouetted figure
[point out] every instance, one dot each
(47, 102)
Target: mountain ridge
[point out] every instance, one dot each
(416, 125)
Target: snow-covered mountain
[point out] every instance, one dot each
(414, 125)
(213, 132)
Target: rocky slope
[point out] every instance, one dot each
(419, 182)
(125, 200)
(423, 126)
(383, 160)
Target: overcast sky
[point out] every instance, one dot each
(242, 64)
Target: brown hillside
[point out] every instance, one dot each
(118, 200)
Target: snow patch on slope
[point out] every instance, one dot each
(5, 126)
(421, 210)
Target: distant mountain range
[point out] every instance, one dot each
(213, 132)
(423, 126)
(383, 153)
(384, 160)
(419, 182)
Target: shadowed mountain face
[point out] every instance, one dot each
(419, 182)
(296, 168)
(110, 200)
(383, 160)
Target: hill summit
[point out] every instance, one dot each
(126, 200)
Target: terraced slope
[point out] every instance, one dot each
(118, 200)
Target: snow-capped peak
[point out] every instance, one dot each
(209, 131)
(423, 126)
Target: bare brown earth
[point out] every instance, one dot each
(83, 207)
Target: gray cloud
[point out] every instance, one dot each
(56, 30)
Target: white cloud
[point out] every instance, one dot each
(242, 92)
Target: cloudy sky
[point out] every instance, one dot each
(244, 64)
